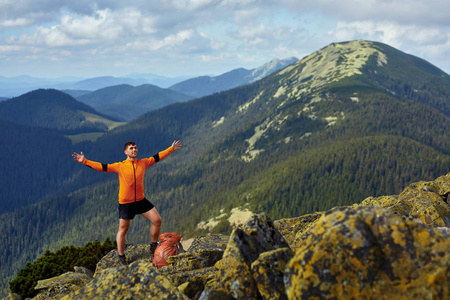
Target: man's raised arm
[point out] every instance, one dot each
(78, 157)
(176, 145)
(91, 164)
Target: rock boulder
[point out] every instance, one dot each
(370, 253)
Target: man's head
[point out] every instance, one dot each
(130, 150)
(128, 144)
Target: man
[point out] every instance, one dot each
(132, 200)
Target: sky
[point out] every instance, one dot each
(90, 38)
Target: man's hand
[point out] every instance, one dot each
(78, 157)
(176, 145)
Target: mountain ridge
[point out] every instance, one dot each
(207, 85)
(18, 85)
(126, 102)
(294, 142)
(52, 109)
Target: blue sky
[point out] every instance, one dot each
(88, 38)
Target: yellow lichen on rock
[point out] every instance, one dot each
(424, 201)
(139, 280)
(268, 272)
(369, 253)
(56, 287)
(293, 229)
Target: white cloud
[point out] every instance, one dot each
(208, 36)
(19, 22)
(261, 37)
(33, 12)
(7, 48)
(429, 42)
(421, 12)
(173, 40)
(387, 32)
(394, 34)
(191, 5)
(86, 27)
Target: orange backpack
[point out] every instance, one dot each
(169, 244)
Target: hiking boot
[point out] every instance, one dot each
(153, 246)
(123, 260)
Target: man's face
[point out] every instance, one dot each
(131, 151)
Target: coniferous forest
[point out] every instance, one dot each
(52, 264)
(285, 145)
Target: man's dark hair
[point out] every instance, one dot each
(128, 144)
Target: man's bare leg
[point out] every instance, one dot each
(121, 235)
(153, 216)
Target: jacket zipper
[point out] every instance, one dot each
(135, 190)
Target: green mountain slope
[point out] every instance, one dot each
(53, 109)
(349, 121)
(126, 102)
(35, 162)
(34, 140)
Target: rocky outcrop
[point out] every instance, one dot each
(424, 201)
(235, 274)
(370, 253)
(66, 283)
(132, 253)
(191, 271)
(386, 247)
(139, 280)
(294, 229)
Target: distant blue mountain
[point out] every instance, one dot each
(96, 83)
(125, 102)
(16, 86)
(206, 85)
(161, 81)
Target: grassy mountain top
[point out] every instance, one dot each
(360, 63)
(331, 64)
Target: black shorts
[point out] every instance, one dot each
(127, 211)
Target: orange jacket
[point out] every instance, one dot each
(131, 174)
